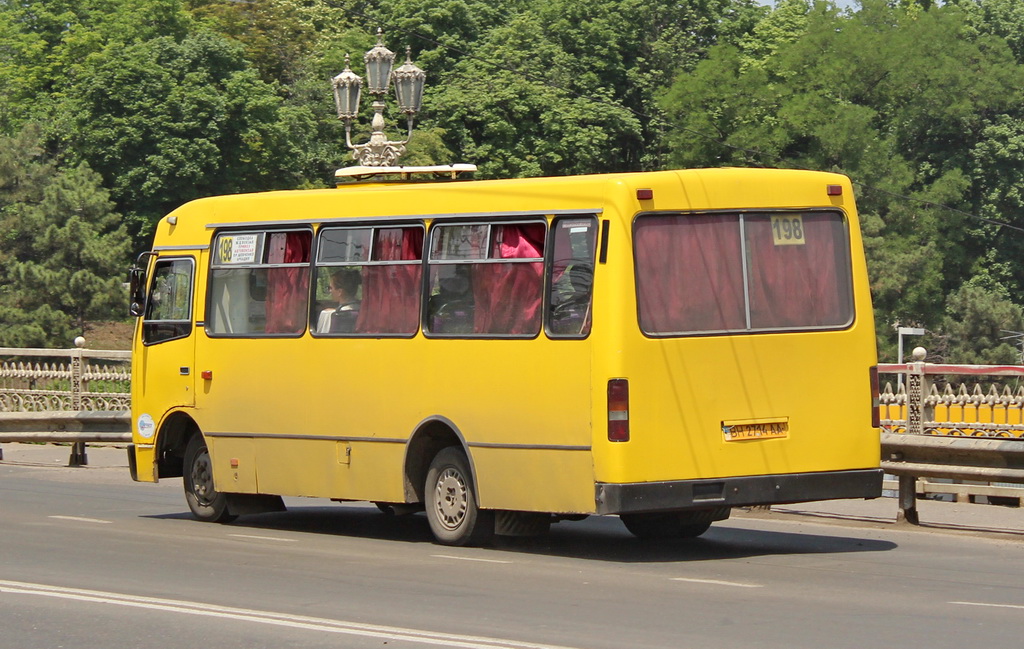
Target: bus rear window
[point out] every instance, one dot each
(742, 272)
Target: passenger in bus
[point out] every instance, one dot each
(344, 285)
(450, 309)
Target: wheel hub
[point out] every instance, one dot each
(450, 498)
(202, 478)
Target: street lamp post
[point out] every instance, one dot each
(409, 81)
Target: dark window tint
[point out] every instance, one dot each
(799, 271)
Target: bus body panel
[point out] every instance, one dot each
(684, 390)
(306, 405)
(333, 417)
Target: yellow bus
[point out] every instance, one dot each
(661, 346)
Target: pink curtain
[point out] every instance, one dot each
(689, 273)
(798, 285)
(507, 297)
(391, 293)
(287, 288)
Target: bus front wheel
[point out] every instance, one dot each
(207, 504)
(451, 501)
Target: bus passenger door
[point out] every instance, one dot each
(165, 372)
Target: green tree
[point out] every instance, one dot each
(914, 103)
(165, 122)
(568, 87)
(979, 323)
(64, 249)
(43, 43)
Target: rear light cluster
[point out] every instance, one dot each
(875, 414)
(618, 410)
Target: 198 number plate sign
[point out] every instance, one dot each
(788, 229)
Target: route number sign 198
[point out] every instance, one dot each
(788, 229)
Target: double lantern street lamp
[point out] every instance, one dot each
(409, 79)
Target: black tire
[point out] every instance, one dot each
(668, 525)
(207, 504)
(451, 502)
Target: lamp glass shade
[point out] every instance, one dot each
(378, 67)
(347, 87)
(409, 81)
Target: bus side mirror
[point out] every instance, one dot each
(136, 291)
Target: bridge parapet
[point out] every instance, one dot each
(65, 395)
(43, 380)
(968, 432)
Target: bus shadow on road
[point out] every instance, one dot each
(596, 538)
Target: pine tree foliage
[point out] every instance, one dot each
(64, 248)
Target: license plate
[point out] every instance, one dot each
(738, 431)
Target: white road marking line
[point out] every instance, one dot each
(264, 538)
(80, 519)
(418, 636)
(717, 582)
(989, 605)
(448, 556)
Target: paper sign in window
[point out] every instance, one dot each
(788, 230)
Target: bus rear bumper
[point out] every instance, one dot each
(739, 491)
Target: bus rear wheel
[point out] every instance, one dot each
(451, 501)
(207, 504)
(668, 525)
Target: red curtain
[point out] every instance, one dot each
(689, 273)
(287, 288)
(391, 293)
(507, 297)
(798, 285)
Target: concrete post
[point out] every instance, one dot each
(918, 389)
(78, 455)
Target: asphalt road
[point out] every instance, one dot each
(90, 559)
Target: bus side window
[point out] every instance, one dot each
(571, 277)
(486, 279)
(379, 269)
(259, 283)
(169, 307)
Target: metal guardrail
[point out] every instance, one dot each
(78, 428)
(43, 399)
(978, 434)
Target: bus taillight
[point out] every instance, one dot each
(875, 418)
(618, 410)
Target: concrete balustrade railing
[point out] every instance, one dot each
(74, 395)
(958, 434)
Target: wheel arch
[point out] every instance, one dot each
(431, 436)
(175, 432)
